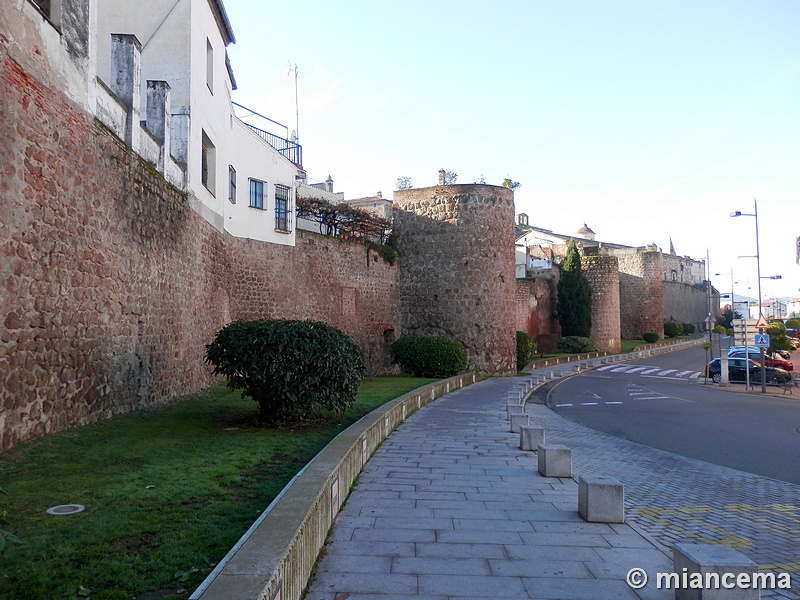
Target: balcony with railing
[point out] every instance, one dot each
(258, 123)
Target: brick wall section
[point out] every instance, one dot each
(110, 285)
(536, 305)
(602, 272)
(456, 246)
(641, 294)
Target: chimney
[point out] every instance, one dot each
(126, 77)
(441, 176)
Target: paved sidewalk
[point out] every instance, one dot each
(449, 508)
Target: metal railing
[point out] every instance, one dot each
(291, 150)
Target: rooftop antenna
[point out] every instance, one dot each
(293, 69)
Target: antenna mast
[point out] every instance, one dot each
(293, 69)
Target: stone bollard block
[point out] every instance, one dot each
(530, 437)
(518, 420)
(707, 559)
(601, 499)
(555, 460)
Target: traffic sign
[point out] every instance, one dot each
(761, 340)
(762, 322)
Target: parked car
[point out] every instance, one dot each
(737, 371)
(769, 361)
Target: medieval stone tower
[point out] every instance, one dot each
(602, 272)
(456, 276)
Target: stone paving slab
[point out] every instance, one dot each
(449, 508)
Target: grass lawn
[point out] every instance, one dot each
(167, 493)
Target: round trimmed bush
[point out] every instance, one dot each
(290, 368)
(651, 337)
(672, 329)
(429, 356)
(525, 348)
(575, 344)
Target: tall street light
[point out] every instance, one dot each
(758, 268)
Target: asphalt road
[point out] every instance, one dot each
(654, 402)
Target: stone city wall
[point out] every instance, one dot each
(686, 303)
(110, 285)
(641, 294)
(456, 245)
(602, 272)
(536, 305)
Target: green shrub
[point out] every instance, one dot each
(525, 348)
(720, 329)
(575, 344)
(672, 329)
(650, 337)
(290, 368)
(688, 328)
(792, 324)
(429, 356)
(546, 343)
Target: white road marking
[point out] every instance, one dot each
(588, 403)
(666, 372)
(613, 402)
(560, 405)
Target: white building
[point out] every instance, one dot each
(235, 175)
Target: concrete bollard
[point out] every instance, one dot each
(530, 437)
(554, 460)
(708, 559)
(518, 420)
(601, 499)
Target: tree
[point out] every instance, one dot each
(727, 316)
(403, 183)
(574, 296)
(510, 184)
(450, 177)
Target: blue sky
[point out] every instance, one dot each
(647, 120)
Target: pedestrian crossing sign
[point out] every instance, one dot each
(761, 340)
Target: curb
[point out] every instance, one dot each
(274, 559)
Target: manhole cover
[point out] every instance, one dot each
(65, 509)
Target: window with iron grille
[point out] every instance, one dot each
(257, 194)
(231, 184)
(282, 209)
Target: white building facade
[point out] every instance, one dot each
(235, 179)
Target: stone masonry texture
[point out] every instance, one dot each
(457, 279)
(111, 286)
(602, 272)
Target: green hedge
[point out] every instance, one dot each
(672, 329)
(575, 344)
(651, 337)
(429, 356)
(525, 348)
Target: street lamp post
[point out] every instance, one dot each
(758, 268)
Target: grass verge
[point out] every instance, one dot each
(167, 493)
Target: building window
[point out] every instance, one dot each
(257, 194)
(231, 184)
(208, 167)
(209, 66)
(282, 209)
